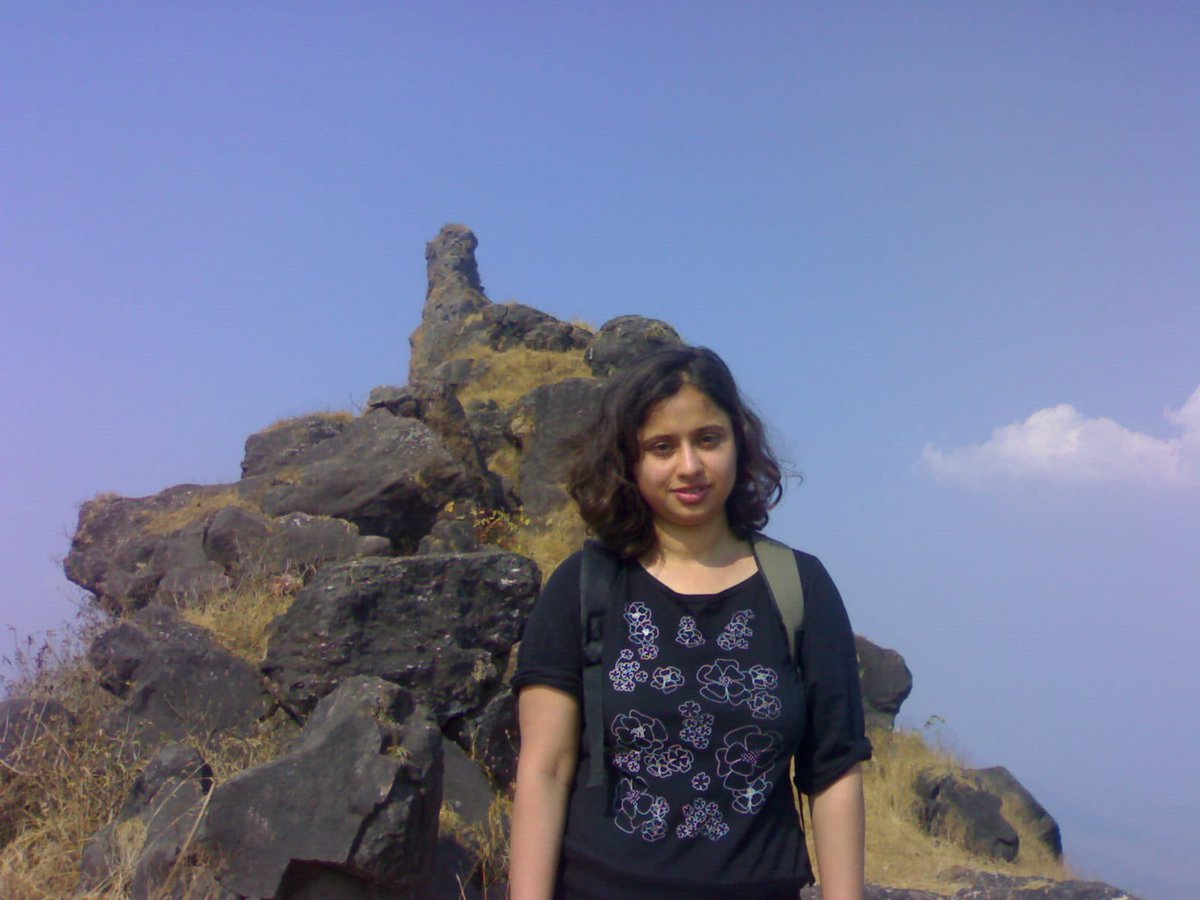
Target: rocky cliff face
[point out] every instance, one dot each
(387, 675)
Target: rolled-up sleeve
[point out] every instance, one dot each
(551, 651)
(834, 737)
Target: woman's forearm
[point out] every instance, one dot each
(538, 817)
(839, 832)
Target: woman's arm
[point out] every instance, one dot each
(839, 831)
(550, 724)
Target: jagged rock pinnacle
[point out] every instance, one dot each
(450, 257)
(454, 293)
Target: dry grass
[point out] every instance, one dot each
(899, 850)
(511, 374)
(59, 788)
(169, 521)
(506, 462)
(239, 618)
(547, 543)
(487, 842)
(64, 784)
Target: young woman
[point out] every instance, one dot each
(705, 712)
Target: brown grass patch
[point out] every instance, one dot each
(899, 850)
(511, 374)
(60, 787)
(547, 542)
(239, 618)
(197, 508)
(506, 462)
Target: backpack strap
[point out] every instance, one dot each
(597, 578)
(778, 564)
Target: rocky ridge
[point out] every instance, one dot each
(385, 680)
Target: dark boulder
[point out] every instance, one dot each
(886, 682)
(248, 544)
(441, 626)
(625, 340)
(276, 447)
(466, 791)
(450, 535)
(124, 547)
(350, 811)
(190, 541)
(1001, 782)
(389, 475)
(437, 406)
(542, 421)
(954, 809)
(491, 736)
(176, 680)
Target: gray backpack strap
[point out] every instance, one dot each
(778, 564)
(597, 578)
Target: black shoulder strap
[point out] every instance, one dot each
(778, 564)
(597, 577)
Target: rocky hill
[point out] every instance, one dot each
(388, 560)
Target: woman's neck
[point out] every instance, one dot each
(700, 561)
(711, 545)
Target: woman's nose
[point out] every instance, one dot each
(689, 460)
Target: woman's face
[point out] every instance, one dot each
(688, 462)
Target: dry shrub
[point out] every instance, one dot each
(239, 618)
(511, 374)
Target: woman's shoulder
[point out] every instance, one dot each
(806, 562)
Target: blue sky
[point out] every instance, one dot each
(951, 250)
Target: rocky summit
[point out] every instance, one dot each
(396, 549)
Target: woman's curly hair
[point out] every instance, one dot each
(603, 455)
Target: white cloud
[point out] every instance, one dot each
(1060, 444)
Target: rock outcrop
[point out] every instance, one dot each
(886, 682)
(625, 340)
(401, 632)
(177, 681)
(387, 474)
(454, 294)
(1003, 784)
(957, 810)
(350, 811)
(441, 626)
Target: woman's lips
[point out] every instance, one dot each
(693, 493)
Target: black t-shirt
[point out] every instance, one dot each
(704, 713)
